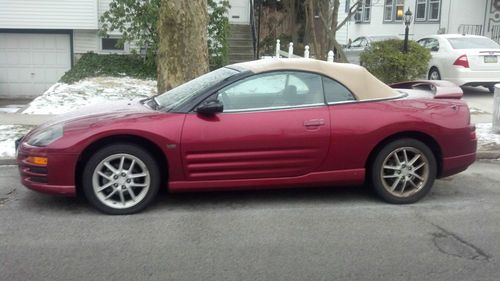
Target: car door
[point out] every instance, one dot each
(273, 125)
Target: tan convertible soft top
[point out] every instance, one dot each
(362, 83)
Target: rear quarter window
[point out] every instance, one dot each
(336, 92)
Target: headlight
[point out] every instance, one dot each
(45, 137)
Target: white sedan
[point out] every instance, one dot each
(466, 60)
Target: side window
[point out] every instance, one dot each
(422, 42)
(336, 92)
(359, 42)
(432, 45)
(273, 91)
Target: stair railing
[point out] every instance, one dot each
(254, 32)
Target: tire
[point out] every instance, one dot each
(491, 88)
(399, 181)
(125, 173)
(434, 74)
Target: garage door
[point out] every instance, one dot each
(31, 63)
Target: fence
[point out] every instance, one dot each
(495, 33)
(472, 29)
(279, 53)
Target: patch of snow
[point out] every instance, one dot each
(487, 140)
(8, 109)
(474, 110)
(8, 135)
(63, 98)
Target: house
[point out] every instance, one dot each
(385, 17)
(41, 40)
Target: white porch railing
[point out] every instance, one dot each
(280, 53)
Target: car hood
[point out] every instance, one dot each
(100, 113)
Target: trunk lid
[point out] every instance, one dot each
(483, 59)
(437, 89)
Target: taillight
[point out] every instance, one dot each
(462, 61)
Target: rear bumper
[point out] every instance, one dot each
(456, 164)
(464, 76)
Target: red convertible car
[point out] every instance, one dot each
(260, 124)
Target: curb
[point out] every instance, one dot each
(487, 155)
(480, 155)
(7, 161)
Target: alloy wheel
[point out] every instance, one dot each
(121, 181)
(404, 172)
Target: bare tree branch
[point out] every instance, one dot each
(353, 10)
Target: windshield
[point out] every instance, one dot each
(180, 94)
(473, 43)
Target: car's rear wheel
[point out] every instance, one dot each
(403, 171)
(491, 88)
(121, 179)
(434, 74)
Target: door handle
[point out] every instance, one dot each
(314, 123)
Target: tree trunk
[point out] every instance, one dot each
(182, 49)
(323, 31)
(316, 44)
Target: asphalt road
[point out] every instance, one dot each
(320, 234)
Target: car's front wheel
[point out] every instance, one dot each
(403, 171)
(121, 179)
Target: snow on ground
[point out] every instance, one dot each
(8, 135)
(475, 110)
(62, 97)
(486, 139)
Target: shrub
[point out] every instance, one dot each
(388, 63)
(92, 65)
(218, 34)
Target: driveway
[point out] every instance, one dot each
(480, 101)
(12, 105)
(322, 234)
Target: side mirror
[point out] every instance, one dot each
(210, 107)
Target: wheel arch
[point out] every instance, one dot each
(420, 136)
(431, 68)
(143, 142)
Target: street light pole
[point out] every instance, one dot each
(405, 47)
(407, 19)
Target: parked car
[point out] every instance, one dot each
(354, 49)
(260, 124)
(466, 60)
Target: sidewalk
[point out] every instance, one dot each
(23, 119)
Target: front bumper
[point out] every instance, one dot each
(57, 177)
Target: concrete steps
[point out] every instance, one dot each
(240, 44)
